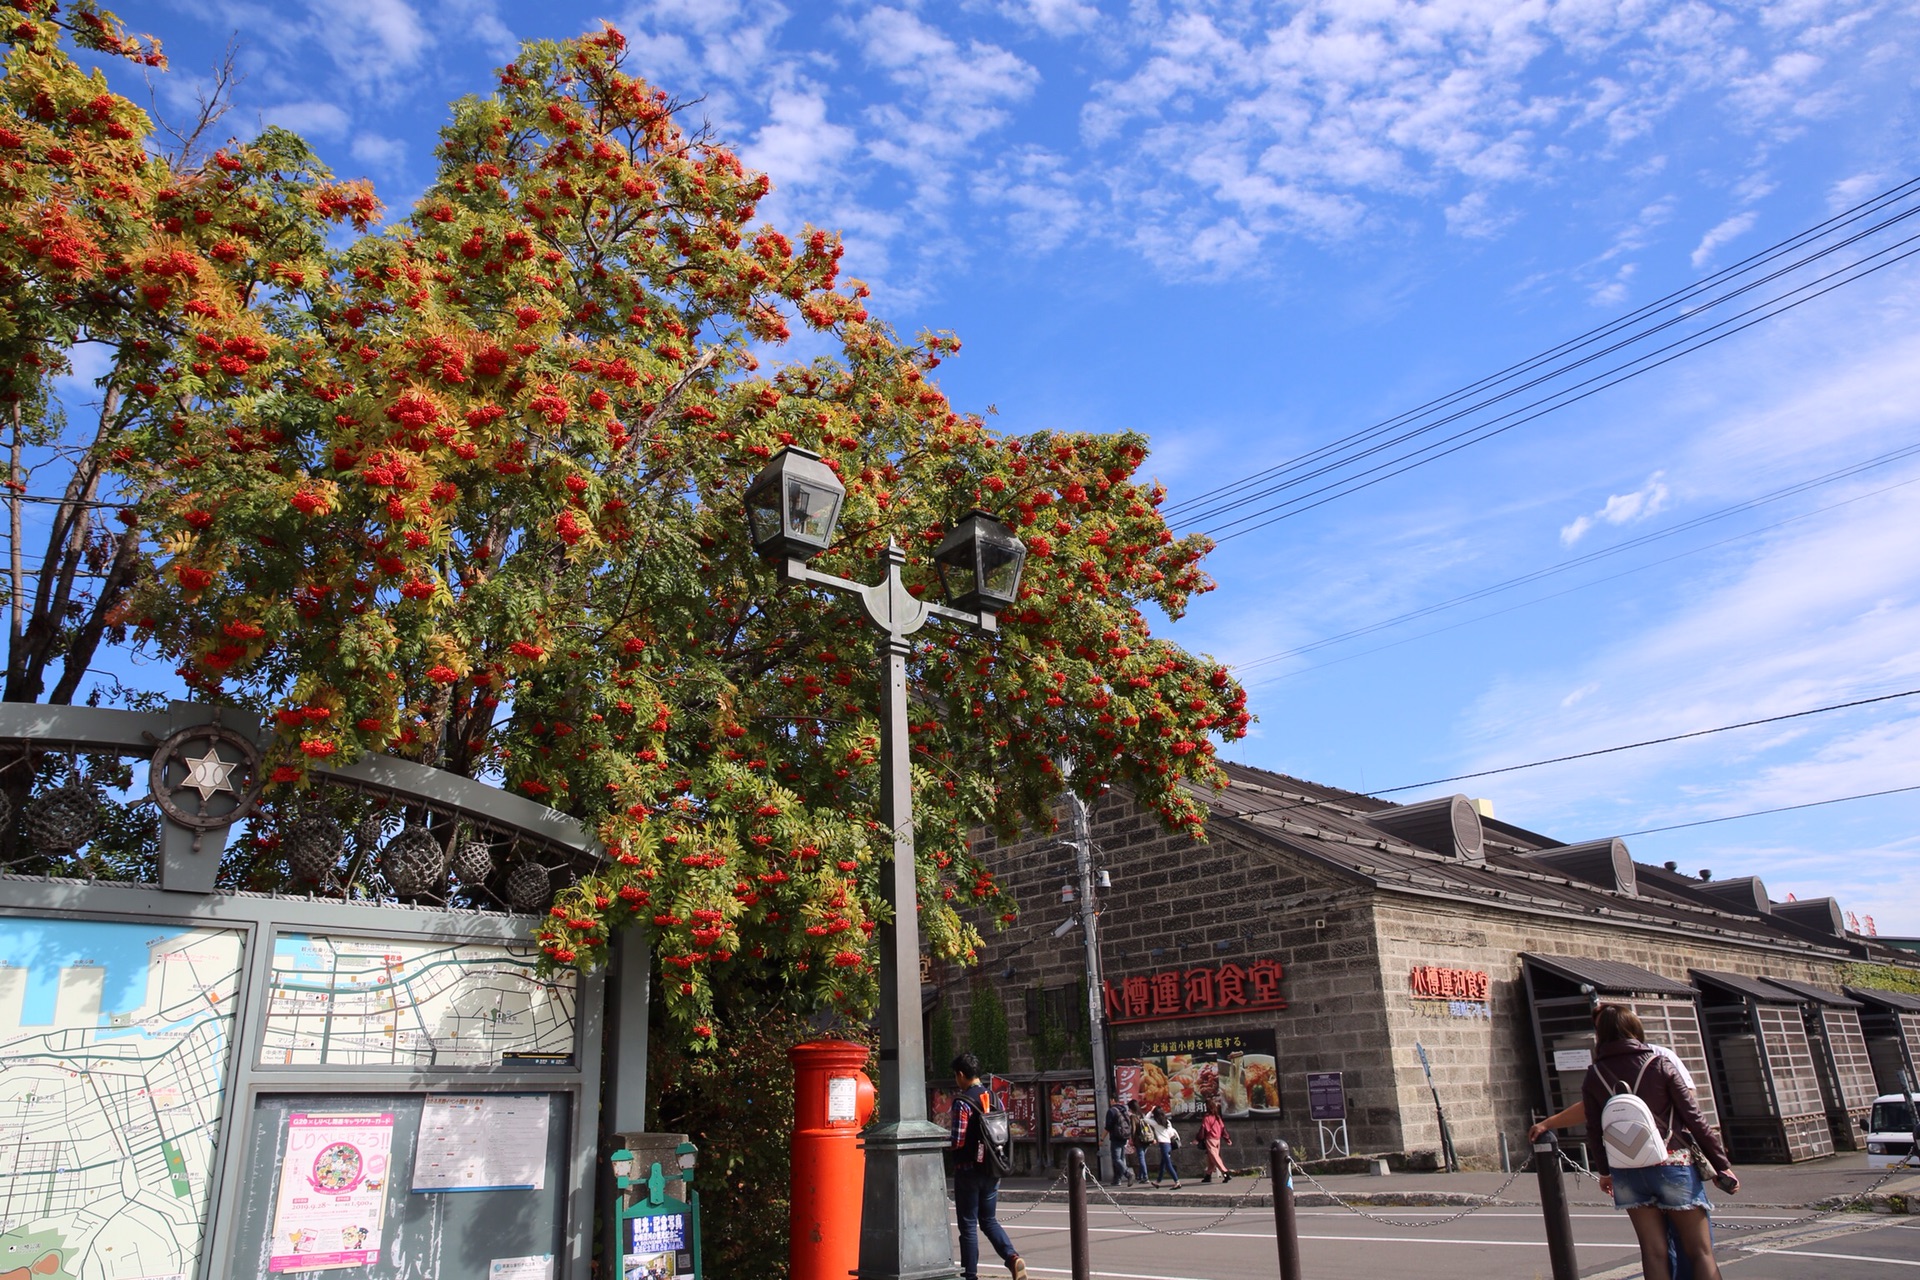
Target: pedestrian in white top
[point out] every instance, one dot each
(1166, 1137)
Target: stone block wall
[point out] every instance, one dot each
(1486, 1070)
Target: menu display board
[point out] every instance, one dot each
(1070, 1115)
(1023, 1106)
(1182, 1073)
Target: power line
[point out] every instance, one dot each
(1562, 399)
(1346, 452)
(1785, 808)
(1864, 209)
(1651, 742)
(1602, 554)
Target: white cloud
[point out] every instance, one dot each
(371, 41)
(798, 145)
(1055, 17)
(953, 95)
(1622, 508)
(311, 119)
(380, 152)
(1739, 224)
(1474, 217)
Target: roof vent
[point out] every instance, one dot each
(1822, 914)
(1745, 895)
(1600, 862)
(1450, 825)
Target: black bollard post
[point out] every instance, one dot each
(1286, 1228)
(1077, 1214)
(1553, 1207)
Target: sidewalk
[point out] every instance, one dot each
(1817, 1184)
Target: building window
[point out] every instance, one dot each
(1057, 1027)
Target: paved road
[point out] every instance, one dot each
(1493, 1244)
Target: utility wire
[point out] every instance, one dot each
(1591, 556)
(1333, 459)
(1864, 209)
(1581, 586)
(1624, 372)
(1650, 742)
(1785, 808)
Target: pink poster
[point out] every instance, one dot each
(333, 1191)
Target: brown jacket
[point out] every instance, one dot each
(1672, 1103)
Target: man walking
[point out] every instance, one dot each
(1119, 1122)
(976, 1184)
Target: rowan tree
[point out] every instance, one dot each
(160, 263)
(485, 510)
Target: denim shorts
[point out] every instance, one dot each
(1660, 1186)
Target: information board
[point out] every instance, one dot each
(1326, 1096)
(481, 1142)
(347, 1001)
(421, 1237)
(113, 1051)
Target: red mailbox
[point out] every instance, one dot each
(832, 1102)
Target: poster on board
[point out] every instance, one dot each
(1070, 1115)
(1182, 1073)
(657, 1248)
(481, 1142)
(333, 1191)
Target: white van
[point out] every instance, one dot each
(1890, 1132)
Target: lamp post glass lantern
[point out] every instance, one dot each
(793, 505)
(792, 508)
(980, 563)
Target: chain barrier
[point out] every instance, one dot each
(1416, 1223)
(1232, 1209)
(1039, 1200)
(1821, 1215)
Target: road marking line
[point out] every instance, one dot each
(1843, 1257)
(1255, 1235)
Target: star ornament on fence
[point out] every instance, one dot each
(208, 774)
(206, 777)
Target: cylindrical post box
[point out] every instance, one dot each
(832, 1102)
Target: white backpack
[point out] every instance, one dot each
(1633, 1140)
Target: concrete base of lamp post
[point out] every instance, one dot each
(903, 1210)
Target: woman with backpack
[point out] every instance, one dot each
(1643, 1113)
(1160, 1129)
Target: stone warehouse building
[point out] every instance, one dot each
(1322, 931)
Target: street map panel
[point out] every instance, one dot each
(113, 1054)
(341, 1001)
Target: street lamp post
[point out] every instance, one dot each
(793, 506)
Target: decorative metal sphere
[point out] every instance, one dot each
(472, 860)
(64, 818)
(314, 845)
(529, 887)
(413, 861)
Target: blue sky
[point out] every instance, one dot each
(1248, 229)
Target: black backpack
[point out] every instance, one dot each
(996, 1136)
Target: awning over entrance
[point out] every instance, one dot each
(1771, 1101)
(1562, 992)
(1840, 1055)
(1890, 1021)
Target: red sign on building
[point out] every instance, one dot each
(1432, 983)
(1209, 991)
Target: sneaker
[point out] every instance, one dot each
(1018, 1267)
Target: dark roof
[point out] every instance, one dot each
(1609, 977)
(1819, 995)
(1752, 988)
(1904, 1001)
(1330, 826)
